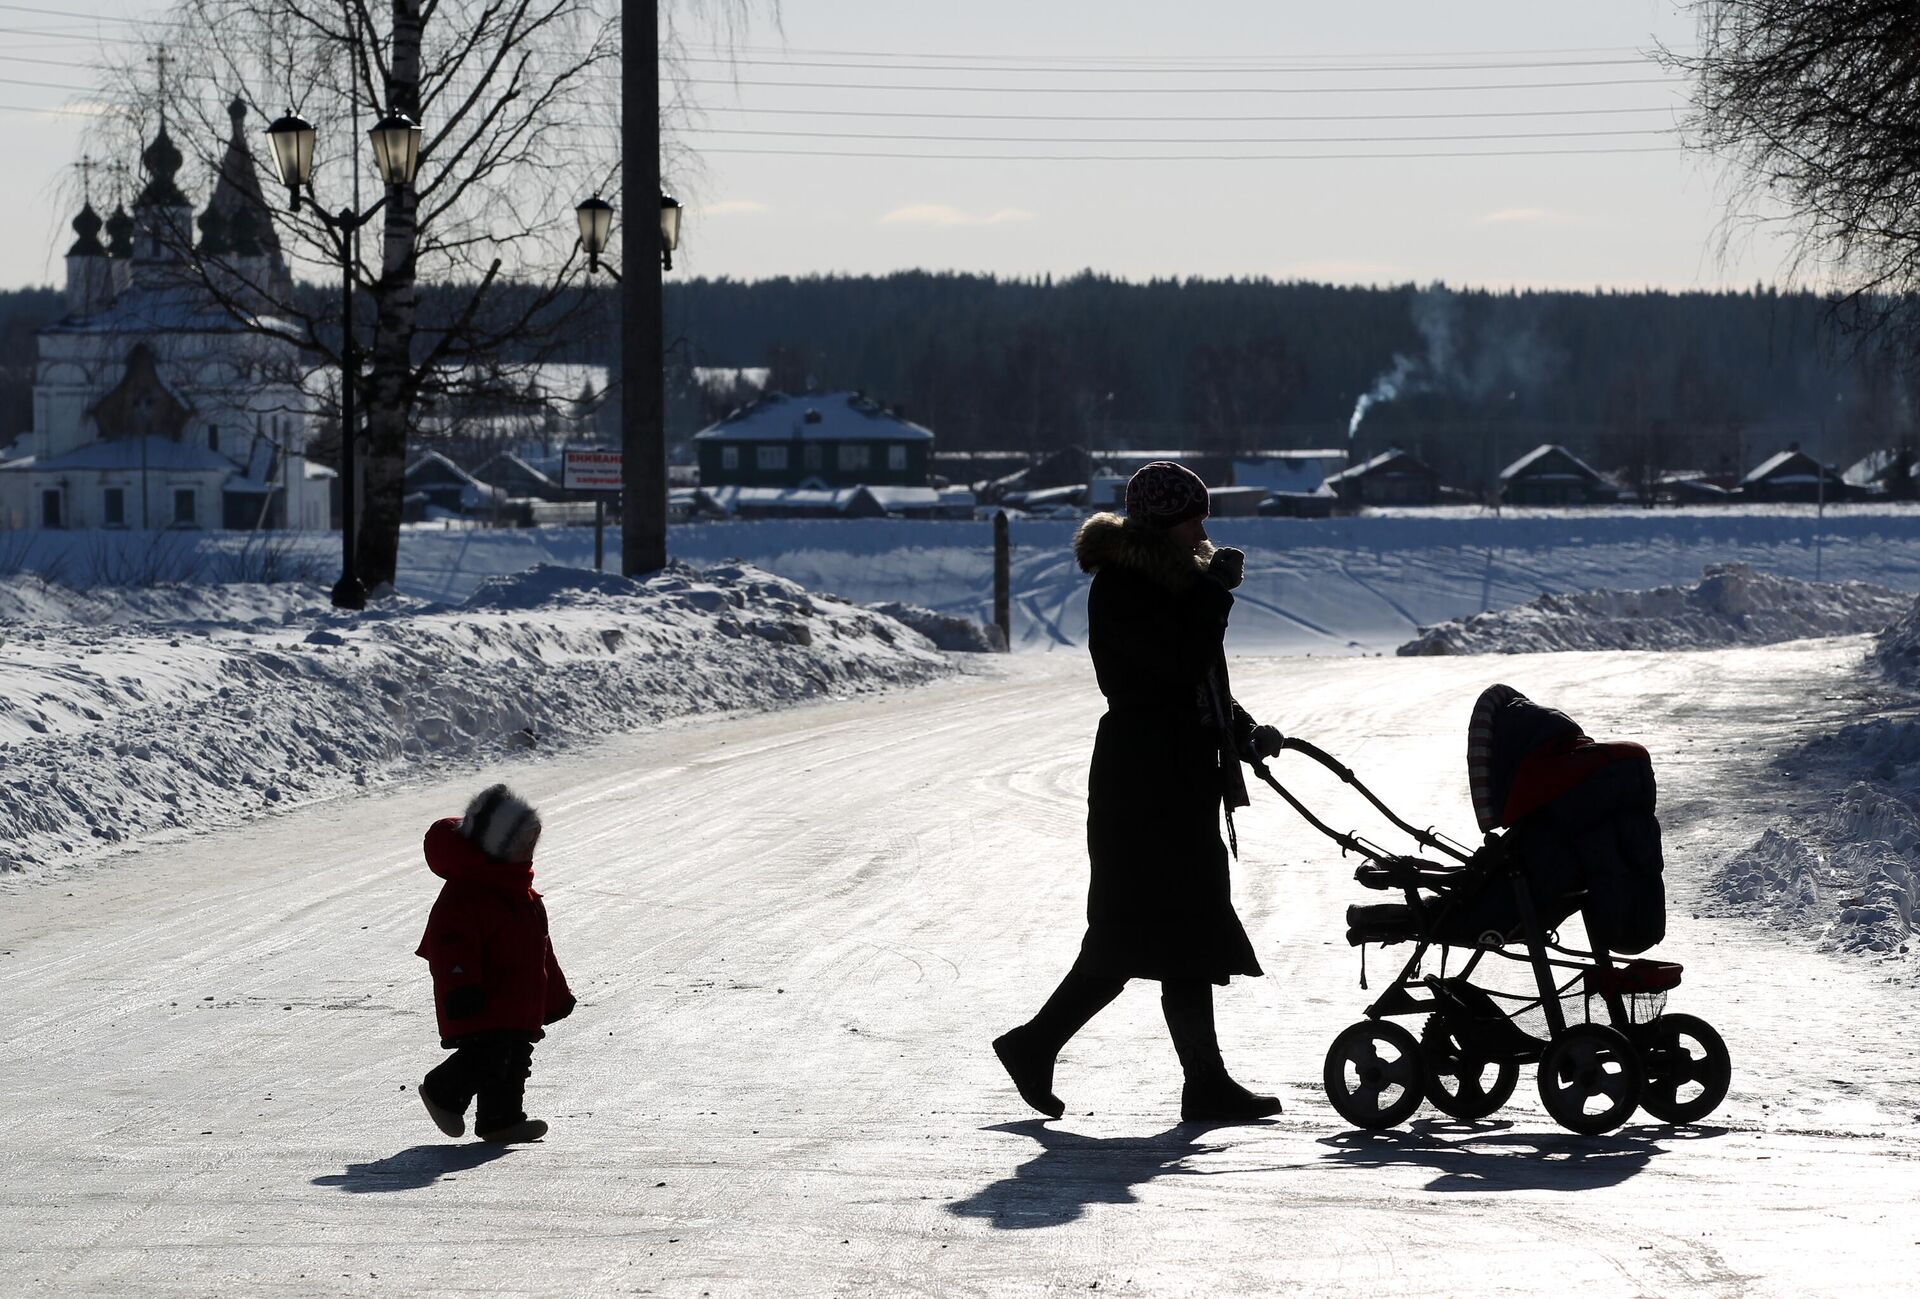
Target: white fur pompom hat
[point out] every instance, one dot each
(502, 825)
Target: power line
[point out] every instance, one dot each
(1006, 57)
(51, 63)
(1193, 157)
(1096, 139)
(1185, 90)
(1169, 70)
(1179, 117)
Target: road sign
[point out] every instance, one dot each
(591, 471)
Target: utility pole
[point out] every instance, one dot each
(643, 415)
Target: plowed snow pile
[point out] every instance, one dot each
(1897, 649)
(1732, 604)
(1846, 875)
(1847, 872)
(125, 715)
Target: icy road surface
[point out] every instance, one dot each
(793, 936)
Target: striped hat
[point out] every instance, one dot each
(502, 825)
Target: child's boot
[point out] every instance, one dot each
(524, 1130)
(450, 1121)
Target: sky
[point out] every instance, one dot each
(1120, 137)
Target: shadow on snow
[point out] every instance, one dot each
(1071, 1172)
(1489, 1156)
(413, 1168)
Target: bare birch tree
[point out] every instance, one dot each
(1817, 104)
(519, 104)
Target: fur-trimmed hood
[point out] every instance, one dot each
(1152, 553)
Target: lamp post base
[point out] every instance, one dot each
(349, 594)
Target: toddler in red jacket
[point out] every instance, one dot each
(496, 984)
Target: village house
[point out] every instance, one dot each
(1394, 477)
(815, 442)
(1793, 475)
(1553, 475)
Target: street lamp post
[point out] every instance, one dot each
(595, 216)
(643, 441)
(396, 155)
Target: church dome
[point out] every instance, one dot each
(162, 161)
(87, 226)
(120, 233)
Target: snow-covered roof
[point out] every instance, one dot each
(1807, 468)
(1545, 451)
(826, 416)
(158, 309)
(1383, 460)
(434, 460)
(509, 460)
(1871, 469)
(152, 453)
(908, 498)
(731, 499)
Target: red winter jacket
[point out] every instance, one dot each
(488, 930)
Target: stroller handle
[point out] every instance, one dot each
(1426, 838)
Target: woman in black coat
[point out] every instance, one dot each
(1166, 759)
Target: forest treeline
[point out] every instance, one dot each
(1636, 381)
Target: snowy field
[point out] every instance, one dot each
(793, 934)
(1314, 586)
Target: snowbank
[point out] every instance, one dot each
(946, 631)
(1897, 650)
(1846, 874)
(125, 716)
(1845, 869)
(1732, 604)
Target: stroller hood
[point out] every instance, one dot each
(1507, 729)
(1587, 808)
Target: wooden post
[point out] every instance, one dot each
(1002, 579)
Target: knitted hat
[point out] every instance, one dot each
(1166, 494)
(502, 825)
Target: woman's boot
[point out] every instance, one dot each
(1209, 1095)
(1029, 1051)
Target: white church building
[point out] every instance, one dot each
(153, 406)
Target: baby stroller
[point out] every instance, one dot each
(1569, 826)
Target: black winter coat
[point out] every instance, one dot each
(1160, 904)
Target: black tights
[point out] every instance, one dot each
(494, 1070)
(1187, 1003)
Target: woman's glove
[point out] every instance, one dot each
(1227, 566)
(1265, 742)
(466, 1002)
(561, 1011)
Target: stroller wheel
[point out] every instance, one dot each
(1590, 1079)
(1372, 1074)
(1687, 1068)
(1457, 1081)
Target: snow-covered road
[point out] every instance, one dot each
(793, 934)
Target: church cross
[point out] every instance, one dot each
(160, 59)
(85, 167)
